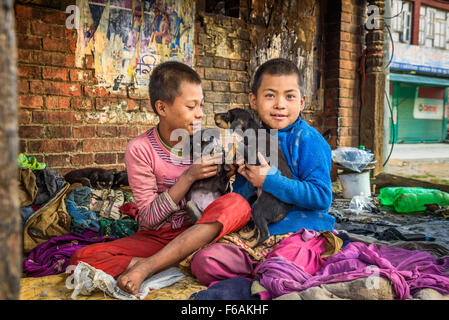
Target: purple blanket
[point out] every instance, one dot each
(409, 271)
(52, 257)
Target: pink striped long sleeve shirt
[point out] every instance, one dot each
(152, 170)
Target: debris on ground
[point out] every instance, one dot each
(367, 216)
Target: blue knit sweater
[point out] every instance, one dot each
(310, 190)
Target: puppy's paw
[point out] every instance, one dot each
(260, 240)
(193, 211)
(252, 243)
(247, 232)
(86, 182)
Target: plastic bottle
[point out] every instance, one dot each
(415, 202)
(388, 195)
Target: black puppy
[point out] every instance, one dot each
(120, 179)
(92, 177)
(205, 191)
(266, 209)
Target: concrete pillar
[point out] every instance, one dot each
(10, 229)
(372, 111)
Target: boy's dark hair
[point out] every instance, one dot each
(278, 66)
(165, 81)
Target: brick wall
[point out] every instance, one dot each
(222, 47)
(62, 111)
(343, 27)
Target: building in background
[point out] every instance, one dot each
(82, 93)
(419, 71)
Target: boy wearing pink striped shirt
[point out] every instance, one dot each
(160, 178)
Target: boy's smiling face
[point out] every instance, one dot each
(186, 110)
(279, 100)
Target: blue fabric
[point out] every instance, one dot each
(26, 213)
(230, 289)
(82, 218)
(309, 158)
(345, 237)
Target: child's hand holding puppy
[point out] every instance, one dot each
(255, 174)
(204, 167)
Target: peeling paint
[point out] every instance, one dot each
(289, 30)
(127, 39)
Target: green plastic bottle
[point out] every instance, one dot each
(415, 202)
(389, 194)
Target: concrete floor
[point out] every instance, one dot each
(428, 160)
(421, 151)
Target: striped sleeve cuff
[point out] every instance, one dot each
(158, 211)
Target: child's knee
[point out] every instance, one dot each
(204, 264)
(221, 261)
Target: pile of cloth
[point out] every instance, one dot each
(59, 218)
(305, 266)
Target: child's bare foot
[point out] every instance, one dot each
(131, 279)
(133, 261)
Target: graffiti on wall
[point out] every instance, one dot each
(127, 38)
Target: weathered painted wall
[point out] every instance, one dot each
(289, 29)
(68, 119)
(222, 58)
(129, 38)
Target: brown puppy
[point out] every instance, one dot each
(92, 177)
(120, 179)
(204, 192)
(266, 209)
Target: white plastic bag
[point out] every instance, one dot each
(86, 279)
(352, 158)
(359, 204)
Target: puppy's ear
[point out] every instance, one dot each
(94, 177)
(222, 120)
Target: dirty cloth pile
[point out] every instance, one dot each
(408, 271)
(106, 211)
(382, 223)
(86, 279)
(58, 219)
(381, 271)
(53, 256)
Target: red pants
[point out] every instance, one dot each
(231, 210)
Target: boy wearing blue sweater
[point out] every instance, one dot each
(277, 96)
